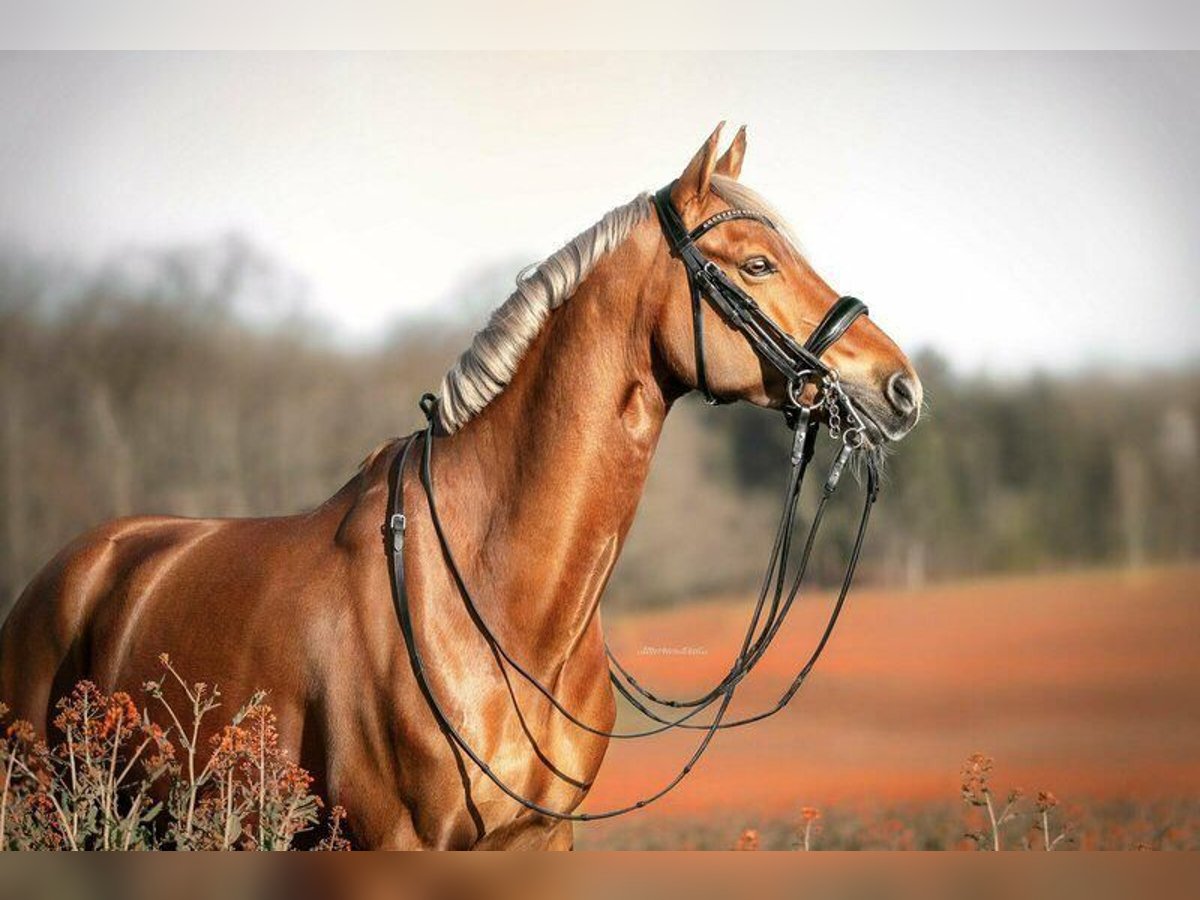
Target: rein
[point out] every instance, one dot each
(799, 364)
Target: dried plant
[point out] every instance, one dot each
(117, 781)
(1044, 804)
(977, 791)
(938, 826)
(809, 814)
(93, 790)
(748, 840)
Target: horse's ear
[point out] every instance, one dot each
(697, 176)
(730, 163)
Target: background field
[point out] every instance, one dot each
(1085, 684)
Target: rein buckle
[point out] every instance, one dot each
(396, 525)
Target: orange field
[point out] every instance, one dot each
(1087, 684)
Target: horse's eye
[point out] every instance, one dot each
(757, 267)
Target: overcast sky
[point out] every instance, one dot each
(1011, 210)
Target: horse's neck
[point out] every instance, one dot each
(548, 476)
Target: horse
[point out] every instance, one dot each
(546, 428)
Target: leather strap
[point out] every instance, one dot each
(840, 317)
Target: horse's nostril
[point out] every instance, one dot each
(901, 392)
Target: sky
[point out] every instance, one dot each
(1012, 210)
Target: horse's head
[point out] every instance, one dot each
(765, 263)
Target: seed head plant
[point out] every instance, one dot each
(118, 780)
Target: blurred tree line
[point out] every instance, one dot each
(1022, 474)
(191, 381)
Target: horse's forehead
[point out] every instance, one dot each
(741, 234)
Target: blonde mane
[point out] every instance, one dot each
(485, 368)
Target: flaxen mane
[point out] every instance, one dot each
(486, 367)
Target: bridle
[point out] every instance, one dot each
(797, 363)
(800, 365)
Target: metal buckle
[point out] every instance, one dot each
(835, 471)
(803, 421)
(396, 525)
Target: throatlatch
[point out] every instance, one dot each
(800, 365)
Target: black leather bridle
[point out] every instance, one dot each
(800, 365)
(797, 363)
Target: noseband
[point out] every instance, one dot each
(799, 365)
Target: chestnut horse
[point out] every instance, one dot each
(548, 426)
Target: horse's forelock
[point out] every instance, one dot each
(738, 196)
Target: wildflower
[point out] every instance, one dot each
(335, 840)
(121, 713)
(68, 717)
(164, 659)
(294, 779)
(22, 732)
(975, 773)
(164, 750)
(810, 814)
(748, 840)
(260, 721)
(1046, 801)
(84, 701)
(247, 795)
(41, 810)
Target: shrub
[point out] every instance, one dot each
(117, 780)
